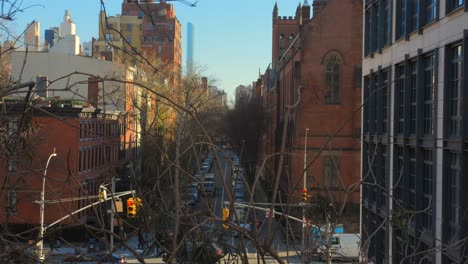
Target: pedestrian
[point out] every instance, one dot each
(141, 241)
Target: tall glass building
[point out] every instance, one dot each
(190, 47)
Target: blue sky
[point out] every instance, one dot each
(232, 38)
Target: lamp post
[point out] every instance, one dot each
(304, 188)
(41, 212)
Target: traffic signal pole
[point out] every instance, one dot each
(117, 195)
(305, 194)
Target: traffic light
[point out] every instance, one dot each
(304, 195)
(131, 208)
(225, 216)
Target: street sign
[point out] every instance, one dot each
(302, 204)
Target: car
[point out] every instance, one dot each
(239, 195)
(209, 177)
(217, 250)
(343, 247)
(244, 228)
(96, 257)
(193, 193)
(194, 185)
(198, 177)
(204, 168)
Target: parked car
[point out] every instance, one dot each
(198, 176)
(244, 228)
(97, 257)
(205, 168)
(209, 188)
(239, 194)
(193, 192)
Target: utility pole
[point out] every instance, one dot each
(112, 215)
(304, 223)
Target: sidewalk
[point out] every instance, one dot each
(82, 248)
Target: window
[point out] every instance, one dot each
(375, 105)
(12, 146)
(412, 179)
(140, 14)
(80, 161)
(413, 85)
(332, 62)
(11, 202)
(454, 4)
(398, 175)
(452, 205)
(387, 22)
(366, 105)
(413, 15)
(429, 90)
(129, 39)
(385, 88)
(454, 92)
(367, 37)
(382, 178)
(129, 27)
(401, 24)
(331, 171)
(109, 37)
(427, 189)
(377, 23)
(365, 172)
(400, 96)
(374, 26)
(431, 10)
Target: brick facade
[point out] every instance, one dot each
(88, 147)
(331, 42)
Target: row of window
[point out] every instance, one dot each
(412, 185)
(11, 145)
(415, 88)
(95, 157)
(410, 15)
(95, 129)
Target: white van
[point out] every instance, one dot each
(344, 247)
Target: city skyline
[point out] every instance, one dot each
(216, 42)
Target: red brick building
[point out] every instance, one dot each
(321, 57)
(91, 146)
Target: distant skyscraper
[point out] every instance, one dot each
(51, 36)
(32, 36)
(190, 46)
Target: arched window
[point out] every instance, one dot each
(332, 62)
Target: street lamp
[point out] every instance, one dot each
(304, 189)
(41, 212)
